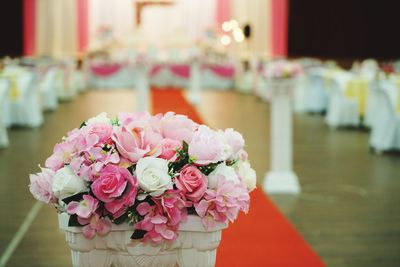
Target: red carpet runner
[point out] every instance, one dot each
(263, 237)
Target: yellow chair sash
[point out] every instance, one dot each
(357, 89)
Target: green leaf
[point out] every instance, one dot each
(83, 124)
(73, 221)
(185, 146)
(138, 234)
(123, 218)
(77, 197)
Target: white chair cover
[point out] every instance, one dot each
(48, 90)
(4, 86)
(26, 110)
(67, 91)
(317, 97)
(372, 110)
(385, 132)
(341, 110)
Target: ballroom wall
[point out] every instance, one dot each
(11, 28)
(344, 29)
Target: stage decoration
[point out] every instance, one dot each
(141, 184)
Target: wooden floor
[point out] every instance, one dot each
(348, 210)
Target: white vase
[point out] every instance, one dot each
(195, 246)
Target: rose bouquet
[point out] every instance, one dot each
(149, 171)
(282, 69)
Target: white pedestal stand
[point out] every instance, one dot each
(194, 247)
(281, 178)
(142, 88)
(195, 82)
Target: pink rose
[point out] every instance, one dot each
(177, 127)
(117, 188)
(192, 183)
(140, 119)
(41, 185)
(169, 148)
(206, 146)
(136, 143)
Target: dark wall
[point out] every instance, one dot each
(11, 28)
(344, 28)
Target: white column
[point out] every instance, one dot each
(281, 178)
(195, 82)
(142, 88)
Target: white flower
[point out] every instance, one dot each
(101, 118)
(247, 174)
(66, 183)
(235, 141)
(152, 175)
(222, 171)
(226, 151)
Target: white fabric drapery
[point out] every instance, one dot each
(56, 28)
(258, 14)
(176, 24)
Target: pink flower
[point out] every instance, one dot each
(41, 185)
(101, 130)
(177, 127)
(169, 148)
(192, 183)
(94, 225)
(206, 146)
(173, 206)
(136, 143)
(89, 164)
(135, 119)
(85, 208)
(117, 188)
(223, 203)
(155, 223)
(62, 154)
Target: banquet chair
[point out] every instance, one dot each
(67, 90)
(25, 110)
(317, 97)
(48, 91)
(4, 87)
(341, 111)
(385, 131)
(372, 109)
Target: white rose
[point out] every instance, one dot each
(222, 171)
(247, 174)
(235, 141)
(226, 151)
(66, 183)
(101, 118)
(152, 175)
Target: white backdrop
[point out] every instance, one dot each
(183, 21)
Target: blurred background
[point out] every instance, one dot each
(63, 61)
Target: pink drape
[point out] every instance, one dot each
(279, 11)
(221, 70)
(105, 70)
(180, 70)
(29, 27)
(83, 24)
(223, 11)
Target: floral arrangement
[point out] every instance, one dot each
(150, 171)
(282, 69)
